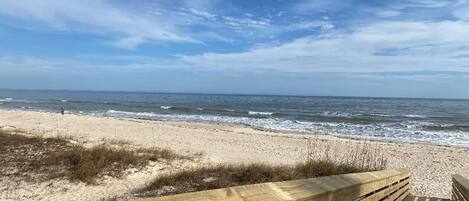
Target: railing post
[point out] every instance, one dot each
(460, 188)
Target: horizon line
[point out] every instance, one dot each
(226, 94)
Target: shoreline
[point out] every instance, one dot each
(267, 130)
(431, 165)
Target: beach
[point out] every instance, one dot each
(431, 165)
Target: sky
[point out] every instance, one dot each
(393, 48)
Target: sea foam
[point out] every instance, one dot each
(7, 100)
(255, 113)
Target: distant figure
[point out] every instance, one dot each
(62, 111)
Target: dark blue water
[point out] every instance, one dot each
(435, 121)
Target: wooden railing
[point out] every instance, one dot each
(460, 188)
(379, 185)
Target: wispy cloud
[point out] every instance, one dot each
(94, 16)
(308, 25)
(388, 46)
(316, 44)
(410, 46)
(402, 4)
(14, 63)
(130, 25)
(321, 6)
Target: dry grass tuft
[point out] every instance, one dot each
(29, 156)
(222, 176)
(362, 155)
(87, 164)
(24, 157)
(319, 161)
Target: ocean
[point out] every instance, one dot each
(435, 121)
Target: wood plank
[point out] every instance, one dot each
(385, 192)
(457, 194)
(403, 196)
(461, 185)
(343, 187)
(340, 187)
(399, 193)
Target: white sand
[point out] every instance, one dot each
(431, 165)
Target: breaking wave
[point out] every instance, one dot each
(255, 113)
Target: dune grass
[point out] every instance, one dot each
(57, 157)
(360, 159)
(25, 157)
(222, 176)
(87, 164)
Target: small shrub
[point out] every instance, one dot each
(86, 164)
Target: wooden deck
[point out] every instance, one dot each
(460, 188)
(379, 185)
(390, 185)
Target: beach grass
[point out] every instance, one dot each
(222, 176)
(362, 159)
(24, 156)
(87, 164)
(57, 157)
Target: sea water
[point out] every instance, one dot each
(436, 121)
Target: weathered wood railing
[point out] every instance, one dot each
(379, 185)
(460, 188)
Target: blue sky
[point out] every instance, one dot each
(397, 48)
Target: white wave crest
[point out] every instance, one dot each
(255, 113)
(130, 114)
(166, 107)
(336, 114)
(7, 100)
(381, 115)
(407, 131)
(414, 116)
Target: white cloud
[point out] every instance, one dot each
(388, 13)
(321, 5)
(27, 64)
(130, 43)
(308, 25)
(95, 16)
(84, 64)
(380, 47)
(462, 10)
(423, 3)
(130, 24)
(390, 46)
(245, 22)
(202, 14)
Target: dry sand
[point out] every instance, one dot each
(431, 165)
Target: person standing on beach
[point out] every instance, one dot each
(62, 111)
